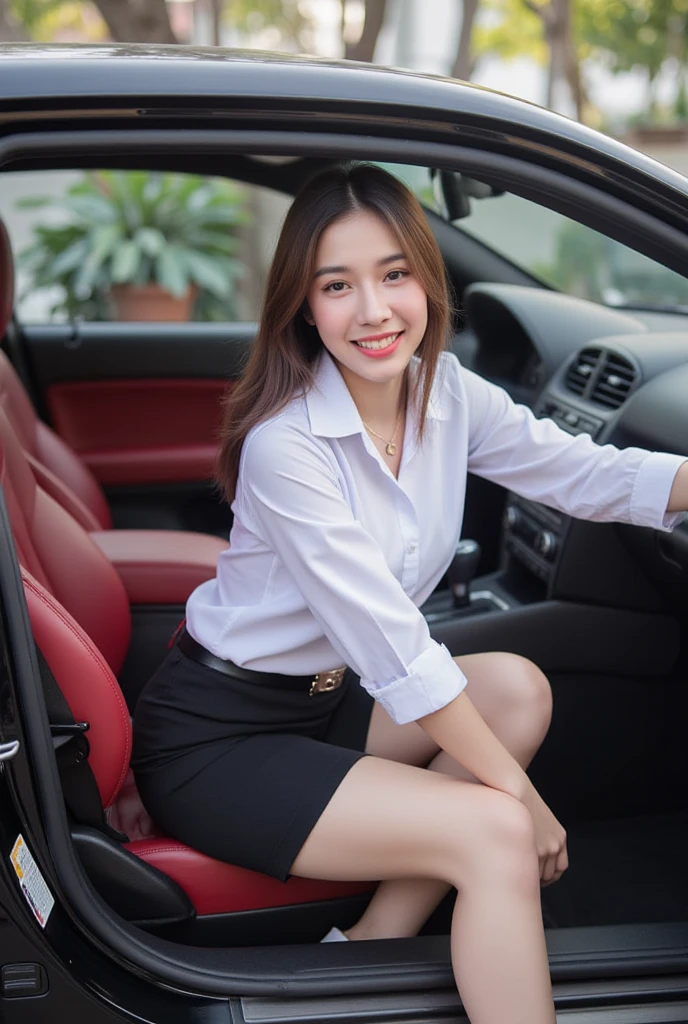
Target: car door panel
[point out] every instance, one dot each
(115, 350)
(141, 405)
(139, 431)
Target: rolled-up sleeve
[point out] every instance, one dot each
(291, 497)
(537, 459)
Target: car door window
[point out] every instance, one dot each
(570, 256)
(138, 245)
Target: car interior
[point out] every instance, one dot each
(107, 439)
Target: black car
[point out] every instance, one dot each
(568, 257)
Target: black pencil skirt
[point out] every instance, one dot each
(242, 771)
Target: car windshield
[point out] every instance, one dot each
(558, 251)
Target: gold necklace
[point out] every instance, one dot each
(390, 446)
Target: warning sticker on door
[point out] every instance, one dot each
(32, 882)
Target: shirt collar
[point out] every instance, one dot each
(332, 411)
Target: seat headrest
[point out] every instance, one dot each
(6, 279)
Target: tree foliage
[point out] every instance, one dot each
(46, 20)
(623, 34)
(148, 21)
(508, 29)
(630, 34)
(285, 17)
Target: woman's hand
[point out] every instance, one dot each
(460, 730)
(550, 837)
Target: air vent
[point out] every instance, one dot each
(601, 376)
(614, 381)
(582, 370)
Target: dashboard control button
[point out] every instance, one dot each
(546, 544)
(512, 516)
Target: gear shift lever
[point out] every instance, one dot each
(460, 573)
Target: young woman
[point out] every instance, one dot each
(345, 450)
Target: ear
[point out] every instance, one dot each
(307, 314)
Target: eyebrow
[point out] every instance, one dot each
(345, 270)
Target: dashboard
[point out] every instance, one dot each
(620, 376)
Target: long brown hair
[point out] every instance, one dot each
(285, 352)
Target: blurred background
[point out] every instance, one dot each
(617, 65)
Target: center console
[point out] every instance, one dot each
(531, 543)
(533, 533)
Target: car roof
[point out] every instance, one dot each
(193, 80)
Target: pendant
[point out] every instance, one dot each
(391, 448)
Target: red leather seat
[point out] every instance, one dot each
(81, 621)
(94, 696)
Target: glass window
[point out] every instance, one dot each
(554, 249)
(420, 181)
(138, 245)
(570, 256)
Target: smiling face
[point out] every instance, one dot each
(370, 310)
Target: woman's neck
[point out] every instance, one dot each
(379, 405)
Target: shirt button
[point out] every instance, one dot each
(411, 548)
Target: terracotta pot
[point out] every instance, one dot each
(151, 302)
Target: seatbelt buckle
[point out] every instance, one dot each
(65, 732)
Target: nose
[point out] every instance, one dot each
(372, 307)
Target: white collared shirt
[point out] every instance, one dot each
(330, 556)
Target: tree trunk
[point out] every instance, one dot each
(573, 76)
(10, 30)
(556, 34)
(563, 59)
(137, 21)
(463, 64)
(364, 49)
(216, 9)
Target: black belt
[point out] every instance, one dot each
(322, 682)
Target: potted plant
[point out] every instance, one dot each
(139, 245)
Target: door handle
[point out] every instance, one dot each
(9, 750)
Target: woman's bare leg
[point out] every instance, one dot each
(514, 698)
(393, 821)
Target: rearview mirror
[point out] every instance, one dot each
(454, 192)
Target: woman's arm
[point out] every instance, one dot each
(678, 498)
(540, 461)
(462, 732)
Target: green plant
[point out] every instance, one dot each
(138, 227)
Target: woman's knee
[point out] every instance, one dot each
(525, 692)
(498, 842)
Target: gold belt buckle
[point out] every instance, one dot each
(325, 682)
